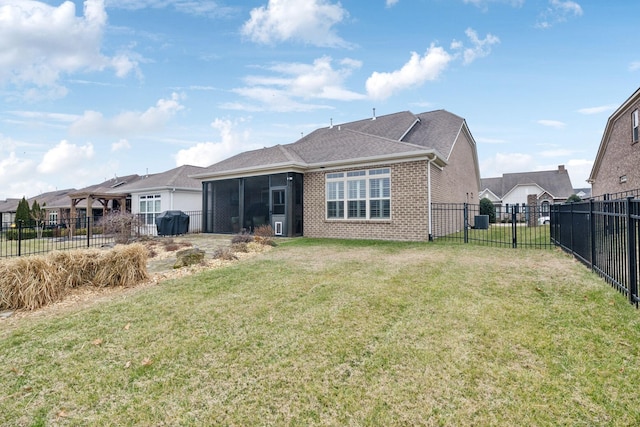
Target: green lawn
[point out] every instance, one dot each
(323, 332)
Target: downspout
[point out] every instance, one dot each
(173, 190)
(431, 160)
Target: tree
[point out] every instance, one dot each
(573, 198)
(487, 208)
(38, 214)
(23, 213)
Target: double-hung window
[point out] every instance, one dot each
(363, 194)
(150, 208)
(635, 125)
(335, 195)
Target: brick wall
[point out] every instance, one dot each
(409, 215)
(621, 157)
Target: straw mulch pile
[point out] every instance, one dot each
(35, 281)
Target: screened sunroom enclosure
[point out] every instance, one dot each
(242, 204)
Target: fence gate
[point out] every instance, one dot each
(515, 226)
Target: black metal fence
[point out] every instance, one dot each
(604, 235)
(518, 226)
(20, 238)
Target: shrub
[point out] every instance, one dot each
(264, 235)
(243, 237)
(121, 225)
(225, 254)
(487, 208)
(240, 247)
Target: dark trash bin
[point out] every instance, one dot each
(172, 223)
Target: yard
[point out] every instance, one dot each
(329, 332)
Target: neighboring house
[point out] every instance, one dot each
(171, 190)
(517, 190)
(8, 210)
(46, 201)
(615, 169)
(375, 178)
(583, 193)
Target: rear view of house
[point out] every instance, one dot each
(375, 178)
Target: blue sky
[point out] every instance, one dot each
(101, 88)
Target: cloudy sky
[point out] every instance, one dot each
(100, 88)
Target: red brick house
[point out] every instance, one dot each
(376, 178)
(615, 170)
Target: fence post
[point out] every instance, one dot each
(20, 237)
(466, 222)
(88, 231)
(592, 226)
(631, 254)
(514, 226)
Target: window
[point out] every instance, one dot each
(150, 208)
(53, 218)
(636, 124)
(365, 193)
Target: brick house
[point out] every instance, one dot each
(375, 178)
(522, 189)
(615, 169)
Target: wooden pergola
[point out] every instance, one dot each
(91, 197)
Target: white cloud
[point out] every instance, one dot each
(420, 69)
(479, 49)
(206, 8)
(307, 21)
(291, 86)
(122, 144)
(39, 43)
(552, 124)
(130, 122)
(634, 66)
(415, 72)
(207, 153)
(64, 157)
(391, 3)
(598, 110)
(484, 4)
(506, 163)
(557, 12)
(579, 171)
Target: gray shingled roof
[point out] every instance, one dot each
(108, 186)
(555, 182)
(174, 178)
(388, 135)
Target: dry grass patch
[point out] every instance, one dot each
(35, 281)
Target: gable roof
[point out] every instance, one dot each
(556, 182)
(396, 136)
(107, 187)
(606, 136)
(178, 178)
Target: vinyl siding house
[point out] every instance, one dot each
(519, 189)
(376, 178)
(171, 190)
(615, 170)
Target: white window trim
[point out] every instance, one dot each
(357, 175)
(149, 200)
(635, 127)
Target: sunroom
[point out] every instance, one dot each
(242, 204)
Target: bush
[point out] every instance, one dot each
(264, 235)
(243, 237)
(225, 254)
(487, 208)
(121, 225)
